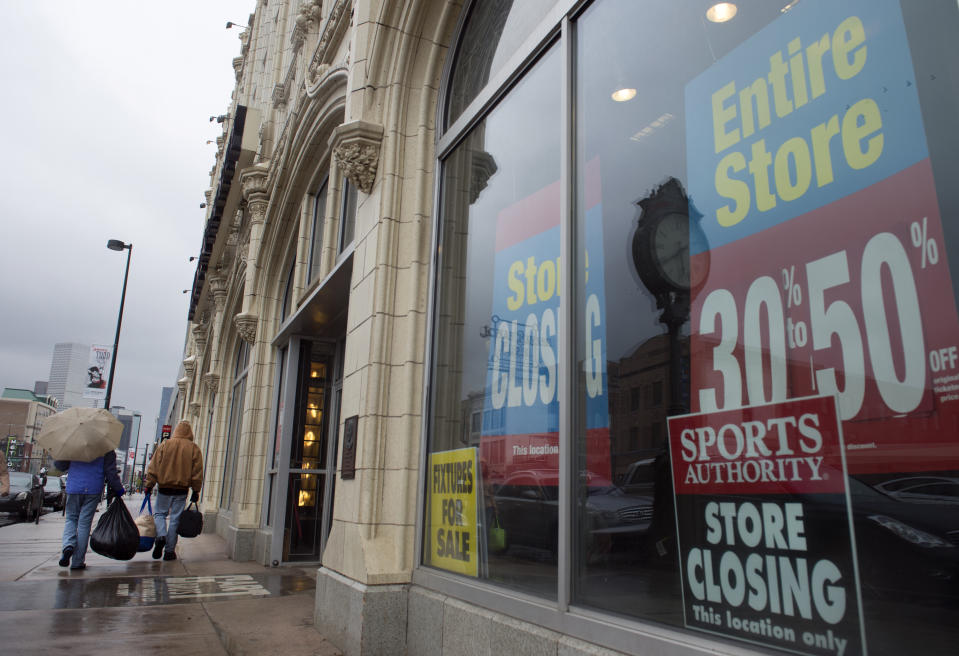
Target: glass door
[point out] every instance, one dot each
(309, 463)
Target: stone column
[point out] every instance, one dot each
(255, 192)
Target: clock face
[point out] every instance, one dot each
(671, 249)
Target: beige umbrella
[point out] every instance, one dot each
(82, 434)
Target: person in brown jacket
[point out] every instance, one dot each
(176, 466)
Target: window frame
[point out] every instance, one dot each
(318, 223)
(560, 614)
(241, 368)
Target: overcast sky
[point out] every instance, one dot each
(105, 118)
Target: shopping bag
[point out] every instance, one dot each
(191, 522)
(116, 536)
(146, 526)
(497, 536)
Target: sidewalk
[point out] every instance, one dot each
(201, 603)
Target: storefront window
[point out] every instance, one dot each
(286, 305)
(771, 182)
(765, 378)
(496, 345)
(347, 215)
(237, 401)
(316, 231)
(494, 31)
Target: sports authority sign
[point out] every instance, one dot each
(765, 527)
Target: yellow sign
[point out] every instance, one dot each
(453, 539)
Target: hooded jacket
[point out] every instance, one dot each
(177, 464)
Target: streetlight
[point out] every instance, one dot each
(117, 245)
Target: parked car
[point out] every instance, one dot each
(20, 500)
(55, 493)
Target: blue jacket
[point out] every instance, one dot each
(88, 477)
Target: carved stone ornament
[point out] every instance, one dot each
(217, 283)
(211, 380)
(245, 323)
(483, 166)
(195, 408)
(310, 14)
(333, 30)
(279, 95)
(255, 182)
(238, 67)
(316, 73)
(181, 385)
(200, 337)
(189, 366)
(356, 147)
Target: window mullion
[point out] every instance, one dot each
(567, 325)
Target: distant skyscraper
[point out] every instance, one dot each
(68, 375)
(166, 393)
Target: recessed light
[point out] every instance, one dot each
(622, 95)
(721, 12)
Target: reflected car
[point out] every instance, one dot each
(55, 493)
(20, 499)
(640, 477)
(922, 489)
(906, 549)
(527, 503)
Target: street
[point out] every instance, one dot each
(201, 603)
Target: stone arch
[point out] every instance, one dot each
(305, 156)
(407, 52)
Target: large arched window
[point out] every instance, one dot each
(692, 355)
(241, 367)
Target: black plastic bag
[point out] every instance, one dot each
(116, 535)
(191, 522)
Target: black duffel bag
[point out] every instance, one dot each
(116, 535)
(191, 522)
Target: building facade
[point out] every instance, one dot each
(22, 413)
(588, 327)
(68, 375)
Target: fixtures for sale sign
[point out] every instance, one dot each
(765, 529)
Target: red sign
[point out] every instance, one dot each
(166, 431)
(764, 526)
(783, 448)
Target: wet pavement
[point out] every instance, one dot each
(201, 603)
(146, 591)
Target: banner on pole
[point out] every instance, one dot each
(97, 373)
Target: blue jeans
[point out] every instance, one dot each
(171, 506)
(76, 529)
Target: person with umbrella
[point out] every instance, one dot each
(83, 495)
(82, 441)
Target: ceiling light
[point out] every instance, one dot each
(622, 95)
(721, 12)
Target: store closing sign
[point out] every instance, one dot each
(828, 274)
(453, 540)
(765, 527)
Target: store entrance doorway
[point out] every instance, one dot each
(311, 449)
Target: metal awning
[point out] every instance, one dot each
(323, 313)
(239, 152)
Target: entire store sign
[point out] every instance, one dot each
(765, 527)
(520, 431)
(807, 155)
(453, 542)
